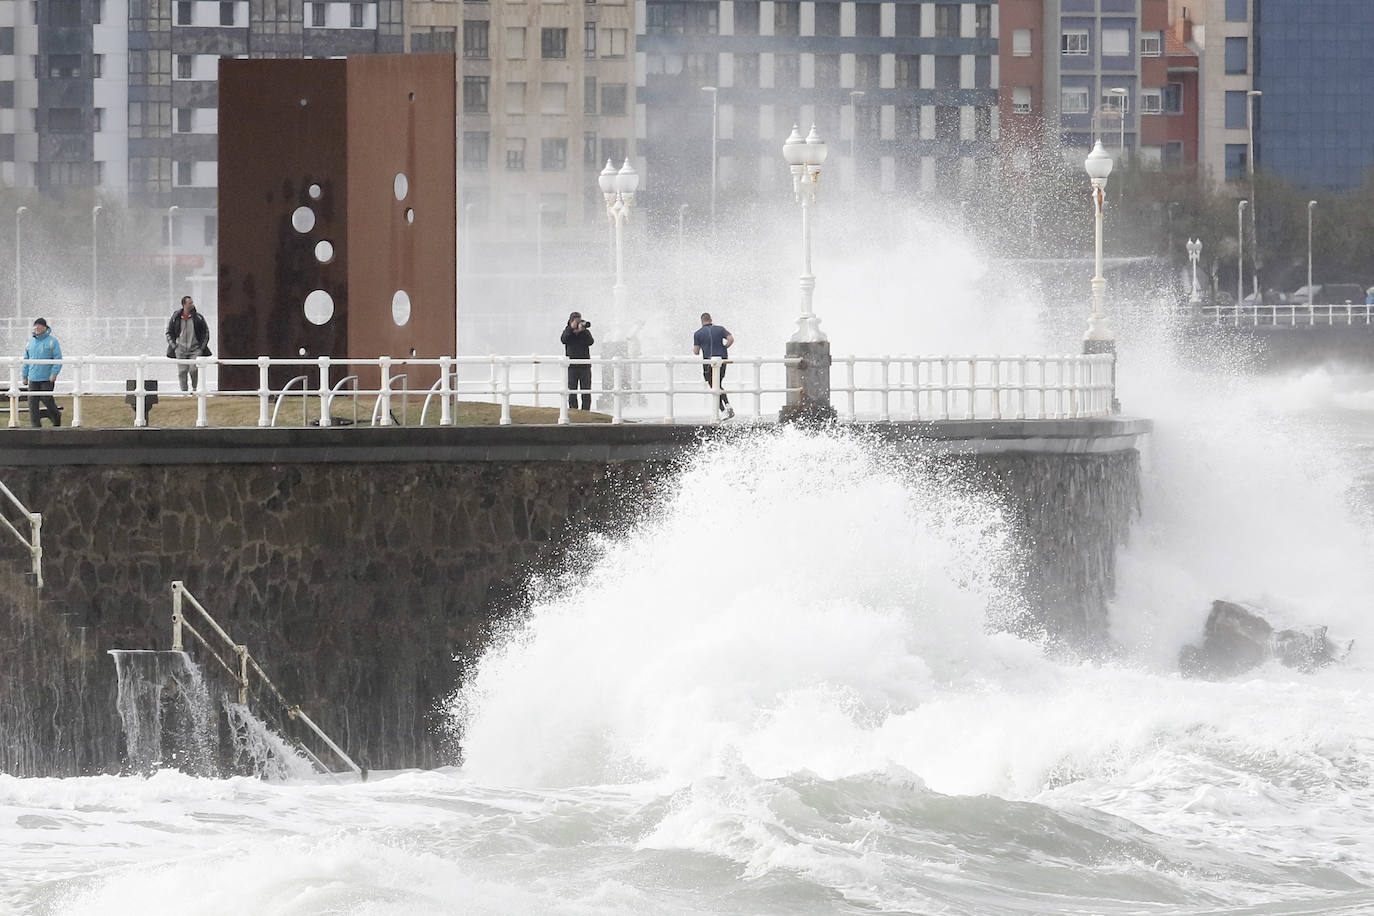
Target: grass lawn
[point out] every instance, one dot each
(105, 412)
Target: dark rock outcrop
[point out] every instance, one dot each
(1236, 639)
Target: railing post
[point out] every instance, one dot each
(178, 617)
(36, 546)
(445, 391)
(668, 391)
(617, 391)
(76, 365)
(14, 394)
(567, 392)
(504, 393)
(141, 403)
(202, 382)
(384, 392)
(996, 388)
(264, 392)
(326, 394)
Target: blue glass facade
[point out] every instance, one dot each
(1314, 62)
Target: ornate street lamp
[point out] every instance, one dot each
(1098, 338)
(618, 187)
(1195, 252)
(95, 261)
(808, 378)
(1240, 257)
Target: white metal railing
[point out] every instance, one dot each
(667, 389)
(975, 387)
(1283, 315)
(34, 542)
(245, 664)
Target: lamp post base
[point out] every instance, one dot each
(809, 401)
(1092, 346)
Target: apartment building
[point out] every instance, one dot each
(547, 96)
(905, 93)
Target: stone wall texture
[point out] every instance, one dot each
(357, 585)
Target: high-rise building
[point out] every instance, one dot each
(905, 93)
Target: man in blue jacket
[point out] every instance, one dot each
(42, 376)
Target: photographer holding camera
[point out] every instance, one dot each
(577, 344)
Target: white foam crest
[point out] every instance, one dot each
(792, 593)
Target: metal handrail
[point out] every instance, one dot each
(34, 542)
(245, 664)
(305, 395)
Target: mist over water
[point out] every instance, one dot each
(789, 688)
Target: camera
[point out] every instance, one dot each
(586, 324)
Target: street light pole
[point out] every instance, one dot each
(808, 349)
(715, 135)
(1121, 102)
(1098, 338)
(1311, 205)
(95, 262)
(18, 286)
(1250, 97)
(1240, 257)
(1195, 252)
(171, 252)
(618, 188)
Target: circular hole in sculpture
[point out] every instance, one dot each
(303, 219)
(410, 214)
(315, 191)
(319, 308)
(412, 96)
(401, 185)
(324, 251)
(400, 307)
(301, 351)
(304, 102)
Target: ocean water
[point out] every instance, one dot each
(716, 715)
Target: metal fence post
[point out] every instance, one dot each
(177, 616)
(264, 392)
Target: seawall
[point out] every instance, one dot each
(358, 564)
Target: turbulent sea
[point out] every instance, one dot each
(720, 716)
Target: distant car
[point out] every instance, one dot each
(1267, 297)
(1329, 294)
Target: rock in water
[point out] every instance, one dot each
(1237, 639)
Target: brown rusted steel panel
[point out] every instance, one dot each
(327, 138)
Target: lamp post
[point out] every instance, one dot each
(808, 379)
(95, 261)
(1195, 252)
(1098, 338)
(1250, 97)
(171, 252)
(1121, 94)
(715, 135)
(1240, 257)
(854, 96)
(618, 187)
(18, 287)
(1311, 205)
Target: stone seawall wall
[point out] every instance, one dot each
(357, 583)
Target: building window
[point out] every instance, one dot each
(746, 17)
(746, 73)
(1021, 43)
(1073, 100)
(867, 71)
(589, 39)
(1151, 44)
(827, 19)
(1151, 101)
(515, 42)
(475, 94)
(908, 20)
(613, 42)
(982, 20)
(1021, 100)
(787, 18)
(589, 150)
(317, 15)
(828, 69)
(1235, 161)
(98, 119)
(946, 71)
(947, 123)
(97, 66)
(64, 13)
(475, 38)
(867, 20)
(553, 98)
(185, 173)
(6, 95)
(1235, 109)
(184, 120)
(1074, 42)
(1237, 55)
(64, 119)
(703, 19)
(1171, 156)
(982, 71)
(946, 20)
(183, 12)
(226, 13)
(908, 122)
(589, 95)
(434, 38)
(615, 149)
(1116, 103)
(908, 71)
(1116, 42)
(553, 43)
(64, 66)
(613, 99)
(982, 122)
(1171, 99)
(1237, 11)
(515, 98)
(515, 154)
(7, 39)
(475, 143)
(183, 66)
(553, 154)
(355, 15)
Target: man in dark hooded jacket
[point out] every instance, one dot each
(188, 336)
(577, 344)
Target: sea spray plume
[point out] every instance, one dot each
(787, 578)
